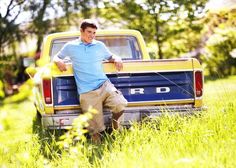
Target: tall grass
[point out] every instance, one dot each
(207, 140)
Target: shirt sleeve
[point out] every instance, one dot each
(63, 52)
(107, 53)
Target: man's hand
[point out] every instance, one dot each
(61, 65)
(118, 62)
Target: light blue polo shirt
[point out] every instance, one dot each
(87, 63)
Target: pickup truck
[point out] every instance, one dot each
(152, 87)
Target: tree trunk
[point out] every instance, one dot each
(158, 40)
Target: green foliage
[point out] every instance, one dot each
(9, 30)
(207, 140)
(76, 134)
(181, 42)
(218, 57)
(24, 93)
(160, 21)
(7, 64)
(9, 68)
(2, 94)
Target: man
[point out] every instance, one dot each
(93, 86)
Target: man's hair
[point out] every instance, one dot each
(88, 23)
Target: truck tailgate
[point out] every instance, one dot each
(136, 87)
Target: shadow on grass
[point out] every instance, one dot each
(110, 140)
(113, 140)
(47, 139)
(98, 151)
(50, 149)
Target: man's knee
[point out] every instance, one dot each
(121, 103)
(120, 107)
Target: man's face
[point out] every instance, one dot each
(88, 34)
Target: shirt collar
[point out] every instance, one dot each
(81, 42)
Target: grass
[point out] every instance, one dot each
(208, 140)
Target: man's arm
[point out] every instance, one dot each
(117, 61)
(60, 63)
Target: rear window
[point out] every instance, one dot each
(125, 47)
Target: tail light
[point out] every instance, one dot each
(47, 91)
(198, 83)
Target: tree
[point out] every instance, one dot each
(9, 30)
(10, 34)
(158, 20)
(46, 18)
(219, 43)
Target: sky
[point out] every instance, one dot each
(215, 5)
(24, 17)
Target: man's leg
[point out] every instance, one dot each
(96, 138)
(116, 121)
(96, 124)
(116, 102)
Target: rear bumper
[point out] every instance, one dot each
(131, 114)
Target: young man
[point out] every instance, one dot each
(93, 86)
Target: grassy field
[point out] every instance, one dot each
(208, 140)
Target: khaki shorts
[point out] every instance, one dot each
(107, 95)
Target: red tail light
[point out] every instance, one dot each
(198, 83)
(47, 91)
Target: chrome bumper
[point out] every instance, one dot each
(131, 114)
